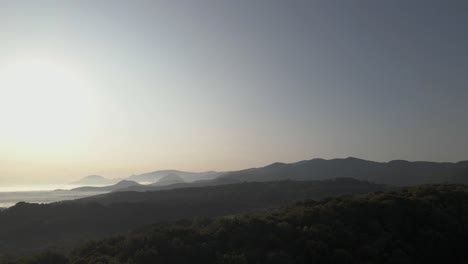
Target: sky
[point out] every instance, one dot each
(124, 87)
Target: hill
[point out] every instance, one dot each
(202, 183)
(424, 224)
(29, 227)
(152, 177)
(118, 186)
(397, 172)
(94, 180)
(168, 180)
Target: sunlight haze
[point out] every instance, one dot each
(89, 87)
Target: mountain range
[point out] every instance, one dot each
(152, 177)
(175, 195)
(396, 172)
(160, 176)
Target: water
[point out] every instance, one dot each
(38, 187)
(11, 195)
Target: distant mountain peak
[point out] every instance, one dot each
(155, 176)
(93, 177)
(94, 180)
(275, 164)
(169, 179)
(125, 183)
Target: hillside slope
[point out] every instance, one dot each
(425, 224)
(29, 227)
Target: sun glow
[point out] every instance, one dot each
(44, 103)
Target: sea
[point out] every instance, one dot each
(10, 195)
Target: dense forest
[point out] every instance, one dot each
(26, 227)
(424, 224)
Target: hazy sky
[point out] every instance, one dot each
(122, 87)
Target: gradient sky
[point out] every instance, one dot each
(224, 85)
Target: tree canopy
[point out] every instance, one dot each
(425, 224)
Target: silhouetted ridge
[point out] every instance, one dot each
(275, 165)
(120, 185)
(397, 172)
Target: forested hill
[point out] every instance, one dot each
(396, 172)
(426, 224)
(29, 227)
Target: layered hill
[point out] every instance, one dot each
(155, 176)
(118, 186)
(29, 227)
(396, 173)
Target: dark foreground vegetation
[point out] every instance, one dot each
(26, 227)
(426, 224)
